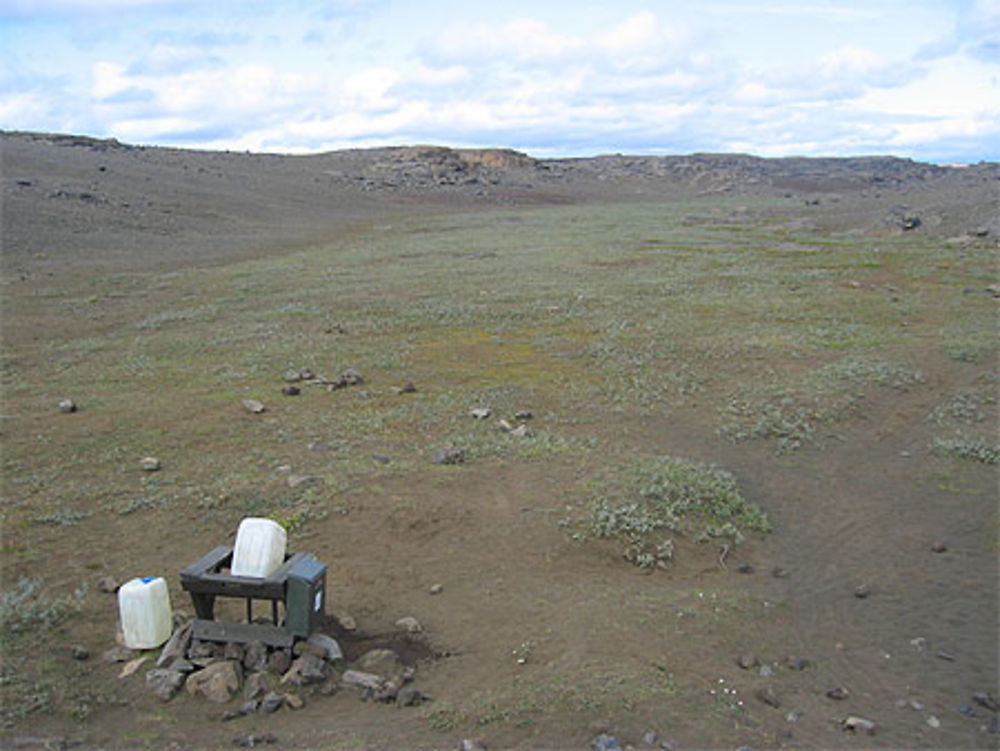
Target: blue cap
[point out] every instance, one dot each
(148, 579)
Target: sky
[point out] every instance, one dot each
(553, 78)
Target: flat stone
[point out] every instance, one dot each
(294, 701)
(855, 724)
(131, 666)
(521, 431)
(118, 654)
(604, 742)
(298, 481)
(108, 584)
(436, 589)
(234, 651)
(79, 652)
(149, 464)
(67, 406)
(838, 694)
(253, 406)
(347, 622)
(748, 661)
(480, 413)
(176, 647)
(182, 666)
(468, 744)
(862, 591)
(796, 663)
(164, 683)
(252, 740)
(409, 624)
(360, 679)
(382, 661)
(523, 414)
(305, 670)
(986, 701)
(217, 683)
(329, 647)
(450, 455)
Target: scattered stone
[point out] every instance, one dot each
(504, 427)
(523, 414)
(291, 390)
(292, 376)
(966, 710)
(856, 724)
(217, 683)
(915, 704)
(939, 547)
(318, 446)
(272, 702)
(305, 670)
(279, 661)
(349, 377)
(411, 697)
(251, 740)
(409, 624)
(347, 622)
(294, 701)
(131, 666)
(118, 654)
(164, 683)
(408, 388)
(329, 647)
(748, 661)
(480, 413)
(149, 464)
(521, 431)
(994, 727)
(766, 671)
(203, 662)
(108, 585)
(382, 458)
(255, 656)
(233, 651)
(306, 375)
(933, 721)
(604, 742)
(796, 663)
(650, 738)
(79, 652)
(253, 406)
(436, 589)
(67, 406)
(257, 685)
(183, 666)
(470, 745)
(201, 649)
(247, 708)
(919, 643)
(946, 656)
(862, 591)
(768, 696)
(793, 716)
(450, 455)
(986, 701)
(176, 647)
(839, 693)
(745, 568)
(305, 648)
(779, 573)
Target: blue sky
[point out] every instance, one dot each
(914, 78)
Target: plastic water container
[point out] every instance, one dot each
(144, 607)
(260, 548)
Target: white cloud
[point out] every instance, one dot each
(523, 40)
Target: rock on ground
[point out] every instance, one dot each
(217, 683)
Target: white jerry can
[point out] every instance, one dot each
(259, 549)
(144, 608)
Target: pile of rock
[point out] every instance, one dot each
(264, 679)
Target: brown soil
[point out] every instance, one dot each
(864, 510)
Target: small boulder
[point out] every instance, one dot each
(164, 683)
(855, 724)
(67, 406)
(257, 685)
(176, 647)
(217, 682)
(409, 624)
(411, 697)
(329, 647)
(272, 702)
(255, 656)
(747, 661)
(79, 652)
(767, 696)
(279, 661)
(305, 670)
(108, 585)
(149, 464)
(294, 701)
(480, 413)
(449, 455)
(436, 589)
(291, 390)
(384, 662)
(839, 693)
(605, 742)
(253, 406)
